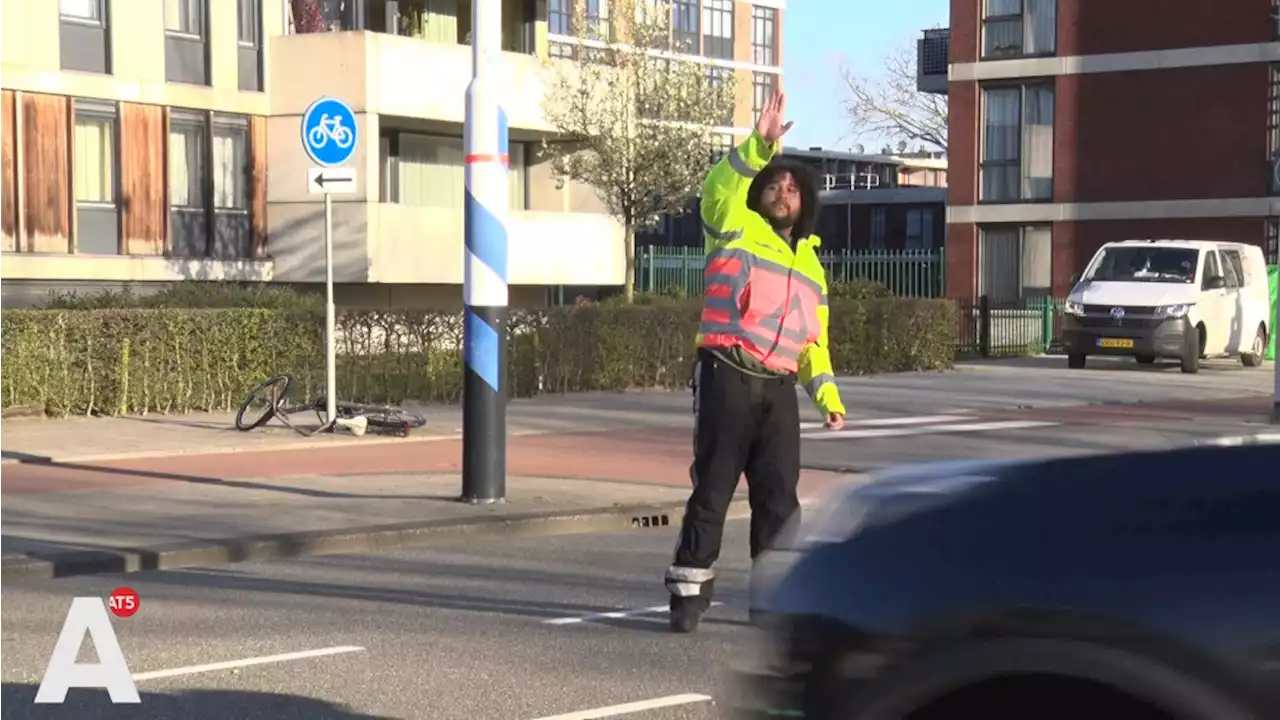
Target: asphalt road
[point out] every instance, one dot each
(473, 632)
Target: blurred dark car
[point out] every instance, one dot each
(1133, 586)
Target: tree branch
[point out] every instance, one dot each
(891, 106)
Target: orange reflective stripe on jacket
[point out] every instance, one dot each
(766, 308)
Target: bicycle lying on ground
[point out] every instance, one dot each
(355, 417)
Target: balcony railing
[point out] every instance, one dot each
(933, 52)
(425, 19)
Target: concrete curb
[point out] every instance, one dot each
(237, 449)
(374, 538)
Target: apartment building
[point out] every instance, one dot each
(1076, 123)
(148, 141)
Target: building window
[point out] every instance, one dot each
(717, 26)
(188, 199)
(83, 40)
(1015, 263)
(95, 164)
(879, 228)
(1275, 19)
(559, 17)
(684, 26)
(1273, 132)
(763, 85)
(184, 17)
(186, 49)
(597, 17)
(1019, 28)
(718, 76)
(249, 45)
(431, 174)
(764, 26)
(88, 11)
(231, 169)
(919, 229)
(1017, 143)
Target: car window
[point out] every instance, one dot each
(1210, 268)
(1235, 264)
(1228, 270)
(1145, 263)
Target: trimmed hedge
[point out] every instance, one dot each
(137, 360)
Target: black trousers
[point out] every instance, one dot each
(743, 423)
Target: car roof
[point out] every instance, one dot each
(1177, 242)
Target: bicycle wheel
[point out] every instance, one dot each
(272, 393)
(384, 417)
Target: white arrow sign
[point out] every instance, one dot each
(331, 181)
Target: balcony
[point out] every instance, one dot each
(932, 58)
(407, 244)
(409, 77)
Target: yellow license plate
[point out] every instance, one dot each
(1115, 343)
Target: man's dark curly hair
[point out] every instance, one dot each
(806, 179)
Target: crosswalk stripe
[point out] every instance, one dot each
(928, 429)
(876, 422)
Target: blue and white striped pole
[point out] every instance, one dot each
(484, 409)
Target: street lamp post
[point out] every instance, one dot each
(484, 422)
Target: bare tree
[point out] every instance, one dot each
(632, 119)
(891, 107)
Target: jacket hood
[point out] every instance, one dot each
(806, 179)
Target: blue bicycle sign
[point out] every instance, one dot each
(329, 131)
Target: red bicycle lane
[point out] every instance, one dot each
(657, 456)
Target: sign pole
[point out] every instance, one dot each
(484, 422)
(330, 344)
(329, 137)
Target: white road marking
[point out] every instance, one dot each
(613, 614)
(872, 422)
(930, 429)
(285, 657)
(632, 707)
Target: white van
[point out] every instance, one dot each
(1184, 299)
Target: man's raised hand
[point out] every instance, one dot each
(770, 127)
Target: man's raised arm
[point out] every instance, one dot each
(724, 194)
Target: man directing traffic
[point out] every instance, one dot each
(763, 328)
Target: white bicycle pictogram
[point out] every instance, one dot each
(330, 129)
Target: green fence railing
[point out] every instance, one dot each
(907, 273)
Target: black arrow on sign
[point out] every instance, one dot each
(321, 179)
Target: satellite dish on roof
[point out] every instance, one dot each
(859, 148)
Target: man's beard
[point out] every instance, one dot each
(781, 219)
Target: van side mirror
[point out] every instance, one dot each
(1217, 282)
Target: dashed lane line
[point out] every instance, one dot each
(631, 707)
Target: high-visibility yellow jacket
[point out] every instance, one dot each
(762, 298)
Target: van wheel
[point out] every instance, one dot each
(1254, 357)
(1191, 353)
(1075, 361)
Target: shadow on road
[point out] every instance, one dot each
(187, 705)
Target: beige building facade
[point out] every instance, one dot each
(149, 141)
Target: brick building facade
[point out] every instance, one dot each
(1074, 123)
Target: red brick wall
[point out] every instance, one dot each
(1088, 27)
(962, 260)
(1161, 135)
(965, 30)
(963, 143)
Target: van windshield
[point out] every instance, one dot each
(1145, 264)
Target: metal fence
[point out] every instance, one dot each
(1002, 328)
(907, 273)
